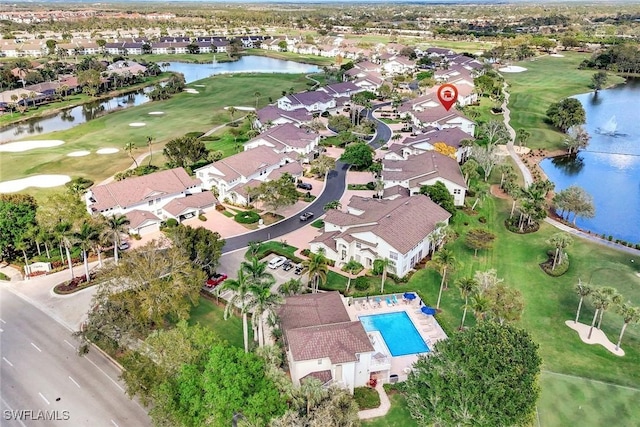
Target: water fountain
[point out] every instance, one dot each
(610, 128)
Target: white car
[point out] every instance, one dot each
(277, 262)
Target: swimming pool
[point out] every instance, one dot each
(398, 331)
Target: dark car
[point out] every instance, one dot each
(305, 185)
(299, 269)
(305, 216)
(215, 280)
(288, 265)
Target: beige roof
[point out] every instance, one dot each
(132, 191)
(289, 135)
(137, 218)
(423, 166)
(340, 342)
(196, 201)
(247, 162)
(402, 222)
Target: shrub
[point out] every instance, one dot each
(220, 208)
(193, 134)
(201, 217)
(361, 283)
(80, 182)
(561, 267)
(171, 222)
(371, 185)
(247, 217)
(366, 397)
(512, 225)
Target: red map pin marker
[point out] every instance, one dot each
(448, 95)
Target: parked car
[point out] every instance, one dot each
(305, 216)
(123, 246)
(288, 265)
(299, 269)
(215, 280)
(305, 185)
(277, 262)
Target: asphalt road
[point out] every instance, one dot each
(333, 190)
(41, 371)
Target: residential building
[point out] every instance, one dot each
(286, 138)
(425, 169)
(427, 110)
(423, 142)
(398, 230)
(148, 193)
(322, 342)
(272, 115)
(315, 101)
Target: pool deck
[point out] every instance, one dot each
(427, 326)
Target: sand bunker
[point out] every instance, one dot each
(188, 90)
(107, 151)
(512, 69)
(557, 55)
(156, 113)
(42, 181)
(242, 108)
(79, 153)
(200, 85)
(597, 337)
(16, 147)
(137, 124)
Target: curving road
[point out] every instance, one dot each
(41, 371)
(334, 189)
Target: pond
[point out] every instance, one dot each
(77, 115)
(609, 169)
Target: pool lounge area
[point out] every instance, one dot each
(416, 332)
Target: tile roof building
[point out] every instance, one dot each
(370, 229)
(323, 342)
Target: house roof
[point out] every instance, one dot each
(137, 218)
(272, 113)
(402, 222)
(300, 311)
(427, 165)
(309, 98)
(340, 342)
(338, 89)
(450, 136)
(288, 134)
(293, 169)
(247, 162)
(132, 191)
(323, 376)
(196, 201)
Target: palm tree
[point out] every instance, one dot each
(232, 111)
(86, 236)
(257, 272)
(480, 306)
(23, 245)
(312, 392)
(630, 314)
(612, 297)
(254, 246)
(443, 260)
(149, 142)
(583, 291)
(261, 301)
(599, 299)
(317, 270)
(240, 288)
(384, 263)
(116, 224)
(559, 241)
(467, 286)
(63, 232)
(129, 148)
(257, 95)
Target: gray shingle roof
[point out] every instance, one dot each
(427, 166)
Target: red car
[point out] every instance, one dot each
(215, 280)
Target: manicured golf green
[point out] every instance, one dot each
(548, 79)
(183, 113)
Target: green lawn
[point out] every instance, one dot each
(398, 415)
(567, 401)
(309, 59)
(547, 80)
(208, 314)
(183, 113)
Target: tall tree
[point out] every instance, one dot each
(278, 193)
(566, 113)
(116, 224)
(576, 139)
(444, 260)
(467, 286)
(358, 154)
(184, 151)
(149, 142)
(630, 314)
(17, 216)
(612, 297)
(487, 157)
(599, 299)
(494, 132)
(129, 147)
(86, 236)
(383, 264)
(240, 289)
(559, 241)
(484, 387)
(582, 290)
(440, 195)
(257, 271)
(202, 246)
(317, 268)
(598, 80)
(261, 302)
(505, 303)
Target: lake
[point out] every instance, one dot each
(609, 169)
(77, 115)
